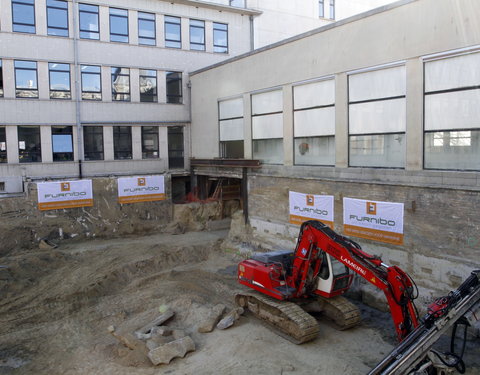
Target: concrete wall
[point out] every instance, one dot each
(107, 218)
(441, 225)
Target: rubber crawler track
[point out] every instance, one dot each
(288, 319)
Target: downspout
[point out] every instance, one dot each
(76, 67)
(252, 34)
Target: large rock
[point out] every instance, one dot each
(211, 321)
(230, 318)
(145, 332)
(165, 353)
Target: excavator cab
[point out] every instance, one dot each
(334, 278)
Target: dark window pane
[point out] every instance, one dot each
(3, 145)
(175, 147)
(29, 146)
(174, 87)
(150, 142)
(122, 142)
(93, 142)
(148, 86)
(1, 79)
(62, 143)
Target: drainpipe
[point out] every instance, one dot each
(76, 68)
(252, 34)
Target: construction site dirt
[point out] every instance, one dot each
(57, 305)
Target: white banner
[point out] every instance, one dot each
(141, 189)
(378, 221)
(305, 207)
(64, 194)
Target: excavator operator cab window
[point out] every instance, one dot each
(324, 271)
(341, 275)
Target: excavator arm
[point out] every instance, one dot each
(398, 287)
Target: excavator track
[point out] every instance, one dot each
(286, 318)
(344, 314)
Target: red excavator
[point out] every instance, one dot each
(313, 279)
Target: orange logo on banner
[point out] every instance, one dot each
(65, 186)
(371, 208)
(142, 181)
(310, 200)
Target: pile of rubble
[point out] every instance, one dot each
(165, 343)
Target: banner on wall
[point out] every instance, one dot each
(64, 194)
(305, 207)
(141, 189)
(378, 221)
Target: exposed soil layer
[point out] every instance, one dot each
(56, 306)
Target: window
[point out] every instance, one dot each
(62, 143)
(332, 9)
(59, 81)
(230, 116)
(1, 79)
(146, 29)
(150, 142)
(121, 84)
(89, 26)
(57, 17)
(175, 147)
(173, 35)
(174, 87)
(197, 35)
(452, 113)
(314, 123)
(29, 146)
(267, 126)
(3, 145)
(93, 142)
(118, 25)
(91, 82)
(148, 85)
(220, 37)
(321, 8)
(237, 3)
(377, 118)
(122, 142)
(23, 16)
(26, 79)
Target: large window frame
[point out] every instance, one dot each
(23, 16)
(89, 72)
(174, 87)
(29, 144)
(332, 9)
(122, 143)
(377, 117)
(197, 35)
(220, 37)
(93, 147)
(57, 10)
(173, 32)
(321, 8)
(120, 84)
(147, 33)
(89, 12)
(314, 122)
(118, 25)
(26, 85)
(231, 128)
(451, 112)
(61, 72)
(148, 84)
(62, 143)
(176, 147)
(150, 142)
